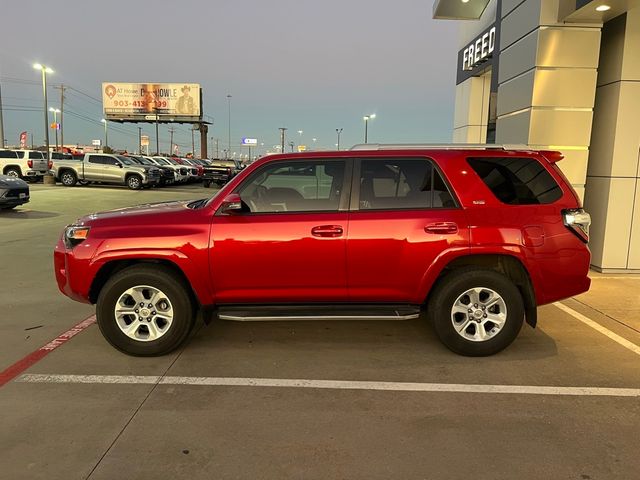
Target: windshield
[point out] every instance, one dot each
(162, 161)
(125, 160)
(172, 162)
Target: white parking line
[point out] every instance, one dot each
(333, 384)
(596, 326)
(618, 277)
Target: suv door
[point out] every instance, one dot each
(289, 243)
(403, 217)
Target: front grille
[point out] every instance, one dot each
(15, 193)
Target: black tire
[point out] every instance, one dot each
(134, 182)
(68, 178)
(13, 172)
(206, 183)
(84, 183)
(11, 207)
(157, 277)
(452, 287)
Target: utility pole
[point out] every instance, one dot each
(229, 133)
(217, 148)
(282, 130)
(193, 141)
(338, 131)
(62, 89)
(157, 135)
(1, 121)
(171, 130)
(139, 140)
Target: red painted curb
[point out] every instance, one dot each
(20, 366)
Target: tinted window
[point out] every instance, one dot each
(20, 154)
(36, 155)
(103, 160)
(517, 181)
(7, 154)
(402, 184)
(295, 187)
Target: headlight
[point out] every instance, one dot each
(74, 235)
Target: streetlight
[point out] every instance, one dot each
(106, 138)
(338, 132)
(44, 69)
(366, 119)
(314, 142)
(229, 108)
(55, 122)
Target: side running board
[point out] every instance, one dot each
(271, 313)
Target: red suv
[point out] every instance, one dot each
(478, 237)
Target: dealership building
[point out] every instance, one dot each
(561, 75)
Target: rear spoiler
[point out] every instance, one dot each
(552, 156)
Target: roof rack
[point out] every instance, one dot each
(437, 146)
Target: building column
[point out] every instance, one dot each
(613, 178)
(547, 81)
(472, 110)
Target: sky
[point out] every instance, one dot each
(306, 65)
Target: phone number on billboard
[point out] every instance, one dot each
(126, 103)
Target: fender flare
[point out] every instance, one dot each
(199, 282)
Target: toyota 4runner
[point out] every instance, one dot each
(475, 236)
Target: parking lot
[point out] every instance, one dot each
(365, 399)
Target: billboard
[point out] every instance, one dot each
(143, 101)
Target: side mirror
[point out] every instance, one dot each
(232, 204)
(119, 165)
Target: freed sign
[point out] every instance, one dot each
(479, 50)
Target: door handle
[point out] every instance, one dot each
(330, 231)
(441, 228)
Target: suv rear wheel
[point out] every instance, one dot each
(144, 310)
(476, 312)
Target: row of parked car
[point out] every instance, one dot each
(134, 171)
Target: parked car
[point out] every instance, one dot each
(13, 192)
(181, 171)
(167, 176)
(219, 172)
(104, 168)
(29, 164)
(475, 237)
(192, 170)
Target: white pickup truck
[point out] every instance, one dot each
(27, 164)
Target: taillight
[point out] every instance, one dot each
(30, 163)
(578, 221)
(50, 163)
(228, 170)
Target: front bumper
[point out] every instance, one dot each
(70, 285)
(12, 197)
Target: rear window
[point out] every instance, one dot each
(517, 181)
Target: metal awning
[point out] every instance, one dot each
(459, 9)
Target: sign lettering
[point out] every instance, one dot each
(479, 50)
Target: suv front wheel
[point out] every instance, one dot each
(476, 312)
(144, 310)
